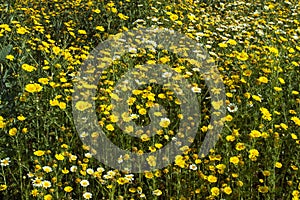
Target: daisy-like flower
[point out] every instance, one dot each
(232, 107)
(100, 169)
(47, 169)
(167, 74)
(88, 155)
(30, 175)
(164, 122)
(157, 192)
(5, 161)
(106, 176)
(46, 184)
(37, 182)
(193, 167)
(73, 168)
(90, 171)
(196, 89)
(87, 195)
(111, 173)
(132, 50)
(129, 177)
(84, 183)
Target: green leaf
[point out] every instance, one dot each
(5, 51)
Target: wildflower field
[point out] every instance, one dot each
(255, 48)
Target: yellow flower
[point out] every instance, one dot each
(256, 98)
(63, 80)
(82, 32)
(3, 187)
(255, 134)
(2, 123)
(151, 62)
(114, 10)
(157, 192)
(240, 146)
(54, 102)
(266, 173)
(12, 131)
(123, 17)
(296, 120)
(10, 57)
(230, 138)
(149, 175)
(6, 27)
(253, 153)
(215, 191)
(62, 105)
(39, 153)
(180, 161)
(22, 30)
(145, 138)
(227, 190)
(142, 111)
(110, 127)
(284, 126)
(56, 50)
(274, 50)
(164, 59)
(33, 87)
(228, 118)
(232, 42)
(65, 171)
(281, 80)
(28, 68)
(24, 130)
(122, 180)
(114, 118)
(294, 136)
(263, 79)
(277, 89)
(158, 145)
(240, 183)
(235, 160)
(21, 118)
(212, 179)
(164, 122)
(217, 104)
(82, 105)
(151, 161)
(266, 114)
(263, 189)
(68, 189)
(243, 56)
(59, 156)
(222, 45)
(278, 165)
(48, 197)
(43, 81)
(111, 4)
(100, 28)
(173, 17)
(97, 11)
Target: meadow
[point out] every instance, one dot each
(255, 48)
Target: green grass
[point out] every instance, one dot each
(255, 47)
